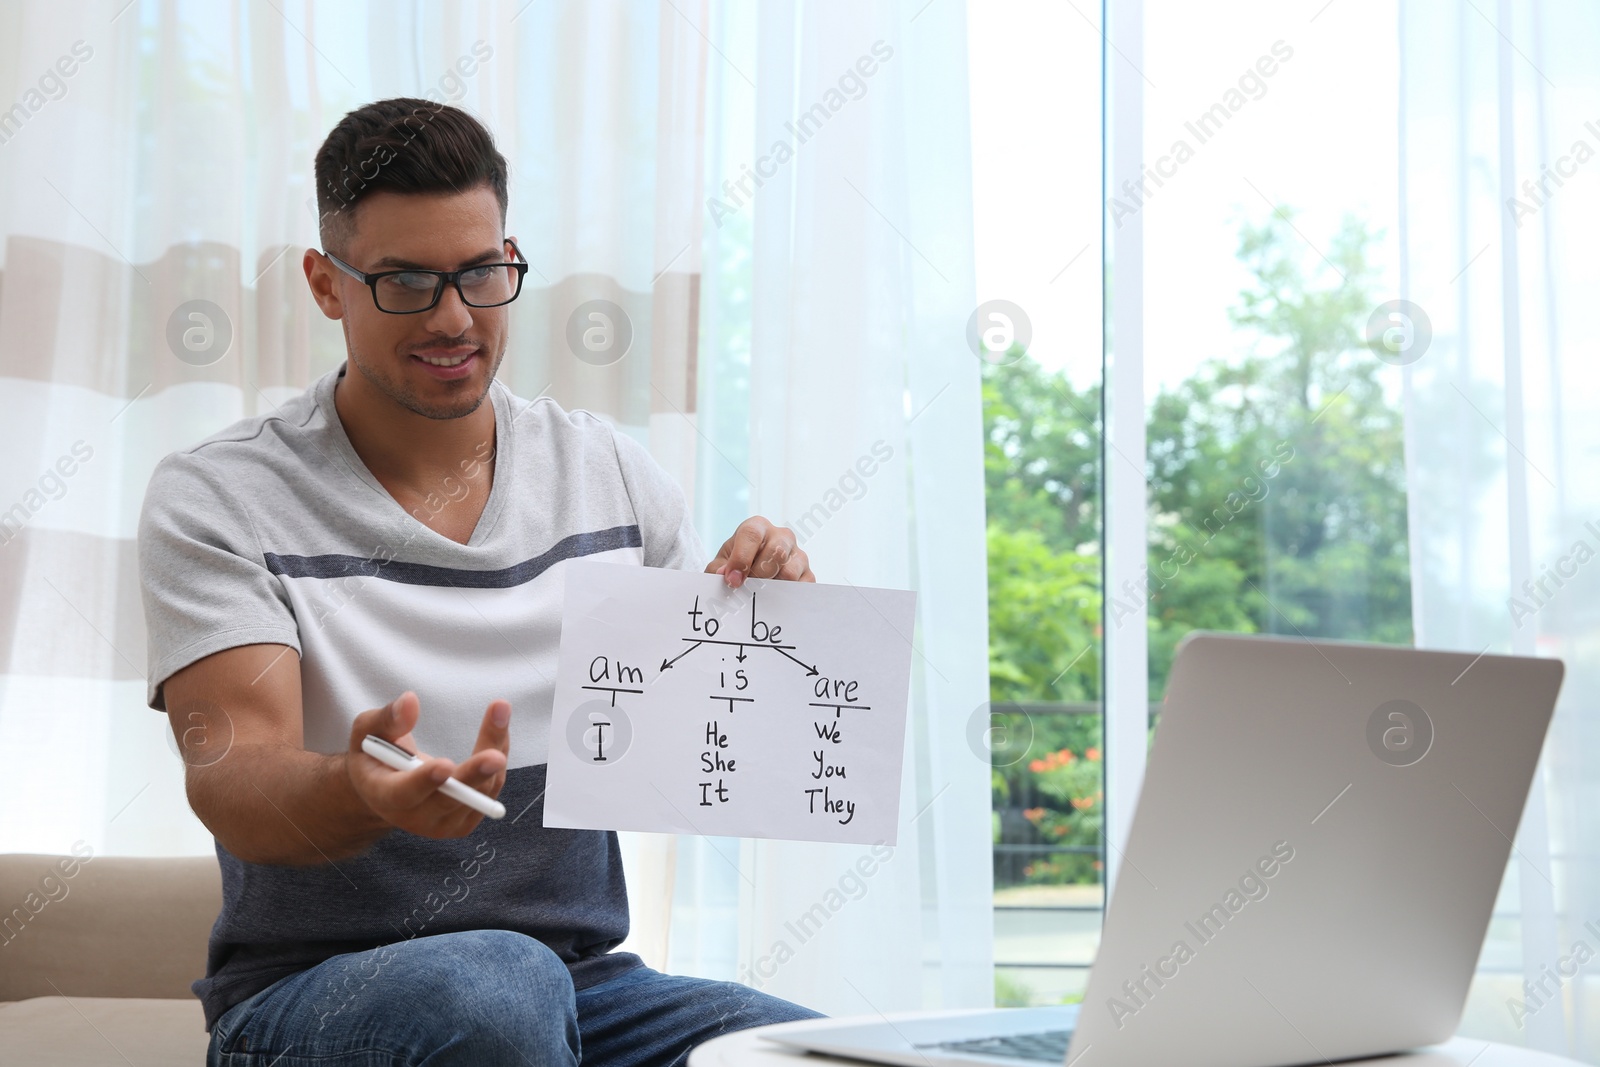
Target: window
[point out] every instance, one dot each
(1275, 498)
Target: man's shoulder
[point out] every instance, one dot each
(234, 453)
(544, 413)
(575, 434)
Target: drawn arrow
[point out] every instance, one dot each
(809, 669)
(666, 664)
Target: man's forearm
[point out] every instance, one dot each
(274, 804)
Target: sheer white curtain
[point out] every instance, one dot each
(157, 155)
(1500, 191)
(842, 399)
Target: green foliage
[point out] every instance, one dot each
(1010, 993)
(1044, 613)
(1041, 456)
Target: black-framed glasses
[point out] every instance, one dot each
(406, 292)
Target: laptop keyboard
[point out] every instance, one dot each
(1045, 1045)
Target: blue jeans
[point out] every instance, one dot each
(481, 997)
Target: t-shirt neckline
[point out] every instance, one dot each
(502, 460)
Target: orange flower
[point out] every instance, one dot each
(1051, 761)
(1092, 753)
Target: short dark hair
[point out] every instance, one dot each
(404, 145)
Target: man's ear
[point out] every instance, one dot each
(322, 277)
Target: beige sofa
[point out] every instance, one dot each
(95, 968)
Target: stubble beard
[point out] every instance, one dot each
(459, 404)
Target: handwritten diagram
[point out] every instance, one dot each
(775, 710)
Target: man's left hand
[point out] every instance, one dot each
(758, 549)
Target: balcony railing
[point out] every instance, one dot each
(1065, 926)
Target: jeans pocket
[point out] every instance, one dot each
(227, 1036)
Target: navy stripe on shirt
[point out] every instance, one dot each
(342, 566)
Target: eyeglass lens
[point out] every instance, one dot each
(414, 290)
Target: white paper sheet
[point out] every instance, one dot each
(683, 706)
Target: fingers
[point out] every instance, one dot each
(774, 554)
(742, 548)
(485, 769)
(392, 722)
(486, 774)
(383, 786)
(759, 549)
(411, 799)
(495, 731)
(403, 712)
(796, 568)
(389, 790)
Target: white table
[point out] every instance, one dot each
(745, 1048)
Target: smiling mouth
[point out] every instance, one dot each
(446, 361)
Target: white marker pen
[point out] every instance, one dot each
(392, 754)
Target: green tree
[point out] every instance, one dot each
(1044, 619)
(1277, 476)
(1042, 455)
(1042, 491)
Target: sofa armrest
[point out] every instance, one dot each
(117, 926)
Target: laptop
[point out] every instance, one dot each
(1315, 853)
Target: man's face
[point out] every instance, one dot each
(447, 231)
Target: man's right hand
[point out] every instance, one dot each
(411, 799)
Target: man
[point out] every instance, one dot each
(389, 538)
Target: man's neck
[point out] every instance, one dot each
(401, 447)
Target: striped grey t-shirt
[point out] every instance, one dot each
(274, 531)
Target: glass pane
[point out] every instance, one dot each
(1035, 84)
(1277, 493)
